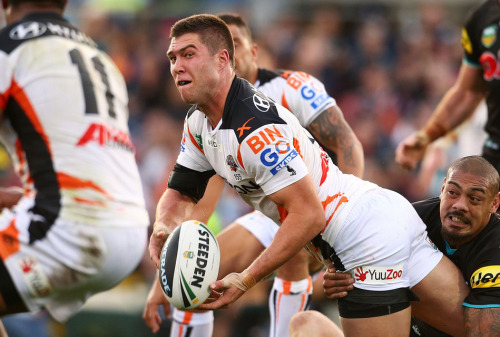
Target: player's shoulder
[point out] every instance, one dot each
(39, 25)
(480, 10)
(247, 109)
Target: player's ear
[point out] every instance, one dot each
(223, 58)
(255, 51)
(496, 203)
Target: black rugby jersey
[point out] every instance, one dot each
(481, 41)
(478, 260)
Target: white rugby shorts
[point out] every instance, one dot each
(383, 243)
(71, 263)
(262, 227)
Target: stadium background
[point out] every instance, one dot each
(386, 62)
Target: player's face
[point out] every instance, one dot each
(466, 206)
(193, 68)
(245, 53)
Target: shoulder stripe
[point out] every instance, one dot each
(480, 306)
(19, 95)
(193, 140)
(36, 148)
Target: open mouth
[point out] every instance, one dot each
(183, 83)
(458, 221)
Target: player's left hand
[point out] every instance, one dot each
(157, 240)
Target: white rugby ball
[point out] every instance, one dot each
(189, 263)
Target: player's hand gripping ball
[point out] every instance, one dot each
(189, 263)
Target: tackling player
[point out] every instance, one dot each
(249, 235)
(463, 224)
(80, 225)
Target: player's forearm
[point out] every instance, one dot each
(295, 232)
(173, 208)
(459, 103)
(206, 206)
(483, 322)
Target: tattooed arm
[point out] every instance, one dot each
(332, 131)
(484, 322)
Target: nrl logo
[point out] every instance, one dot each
(489, 36)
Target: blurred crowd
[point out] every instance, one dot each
(387, 67)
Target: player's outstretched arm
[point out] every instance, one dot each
(458, 104)
(332, 131)
(305, 219)
(172, 209)
(484, 322)
(155, 299)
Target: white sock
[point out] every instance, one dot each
(192, 324)
(286, 299)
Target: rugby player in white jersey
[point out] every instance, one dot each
(260, 149)
(80, 225)
(249, 235)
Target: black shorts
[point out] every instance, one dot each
(360, 303)
(9, 292)
(421, 329)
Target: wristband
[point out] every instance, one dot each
(242, 281)
(434, 130)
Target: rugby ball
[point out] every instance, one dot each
(189, 263)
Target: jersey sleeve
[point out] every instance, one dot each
(191, 154)
(270, 157)
(6, 71)
(469, 40)
(485, 279)
(306, 97)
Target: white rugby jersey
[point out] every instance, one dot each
(65, 112)
(258, 148)
(302, 94)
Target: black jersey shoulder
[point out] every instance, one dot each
(428, 210)
(39, 25)
(247, 109)
(479, 17)
(265, 75)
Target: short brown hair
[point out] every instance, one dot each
(237, 20)
(213, 32)
(59, 3)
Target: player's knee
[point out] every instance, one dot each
(299, 322)
(313, 323)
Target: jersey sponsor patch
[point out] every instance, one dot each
(489, 35)
(35, 278)
(466, 41)
(378, 275)
(27, 30)
(486, 277)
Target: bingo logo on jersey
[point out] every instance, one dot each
(273, 150)
(189, 263)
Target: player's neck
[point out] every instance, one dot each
(254, 74)
(18, 12)
(214, 108)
